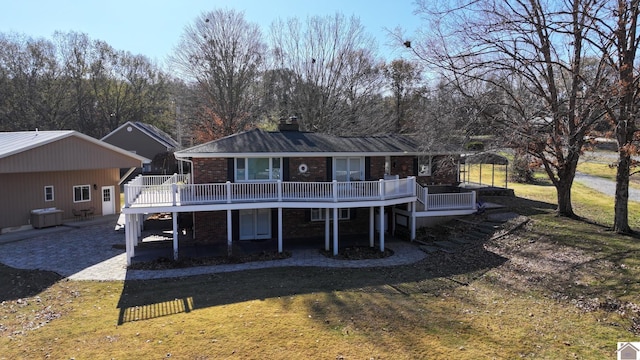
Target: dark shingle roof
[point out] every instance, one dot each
(160, 136)
(302, 143)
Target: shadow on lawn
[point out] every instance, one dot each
(522, 206)
(18, 284)
(142, 300)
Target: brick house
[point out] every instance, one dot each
(290, 184)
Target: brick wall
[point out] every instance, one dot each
(316, 169)
(211, 170)
(214, 170)
(297, 224)
(402, 166)
(376, 167)
(211, 227)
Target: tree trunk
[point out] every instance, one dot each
(563, 188)
(564, 184)
(621, 211)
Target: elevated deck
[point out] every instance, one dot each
(175, 193)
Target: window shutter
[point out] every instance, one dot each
(329, 169)
(367, 168)
(415, 166)
(285, 169)
(230, 169)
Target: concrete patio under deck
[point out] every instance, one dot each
(94, 251)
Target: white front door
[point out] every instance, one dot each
(108, 202)
(255, 224)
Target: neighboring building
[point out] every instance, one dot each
(148, 141)
(65, 170)
(289, 184)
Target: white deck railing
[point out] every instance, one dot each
(150, 191)
(446, 201)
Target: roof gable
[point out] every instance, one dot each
(149, 130)
(30, 151)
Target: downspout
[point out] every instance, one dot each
(193, 214)
(191, 167)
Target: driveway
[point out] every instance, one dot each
(604, 186)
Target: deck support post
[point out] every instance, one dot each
(279, 230)
(412, 206)
(335, 231)
(372, 226)
(229, 232)
(129, 223)
(382, 228)
(393, 221)
(174, 217)
(139, 226)
(327, 231)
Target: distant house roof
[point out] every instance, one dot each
(280, 143)
(153, 132)
(17, 143)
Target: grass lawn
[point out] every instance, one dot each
(553, 289)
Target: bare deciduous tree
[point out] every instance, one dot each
(336, 72)
(618, 39)
(533, 47)
(404, 77)
(223, 54)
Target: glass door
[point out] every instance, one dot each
(255, 224)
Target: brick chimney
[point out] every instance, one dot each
(290, 124)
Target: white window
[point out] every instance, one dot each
(82, 193)
(424, 166)
(318, 214)
(261, 169)
(48, 193)
(348, 169)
